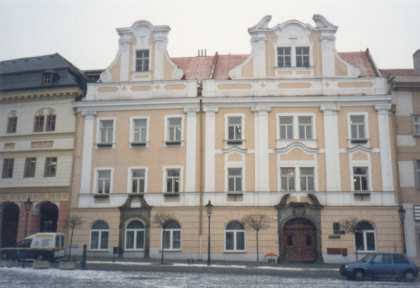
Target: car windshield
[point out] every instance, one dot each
(367, 258)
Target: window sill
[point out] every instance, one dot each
(100, 196)
(104, 145)
(133, 250)
(171, 194)
(173, 143)
(359, 141)
(136, 195)
(234, 142)
(235, 194)
(97, 250)
(171, 250)
(138, 144)
(235, 252)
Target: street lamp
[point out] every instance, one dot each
(209, 207)
(28, 205)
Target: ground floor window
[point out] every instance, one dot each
(365, 237)
(99, 235)
(134, 235)
(171, 235)
(234, 236)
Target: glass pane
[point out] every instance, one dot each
(234, 120)
(169, 185)
(370, 241)
(135, 224)
(289, 132)
(240, 240)
(234, 225)
(238, 184)
(100, 225)
(231, 132)
(308, 132)
(94, 240)
(286, 120)
(176, 182)
(104, 240)
(173, 172)
(176, 244)
(359, 241)
(354, 132)
(138, 173)
(231, 184)
(166, 239)
(302, 132)
(140, 240)
(130, 240)
(235, 171)
(229, 241)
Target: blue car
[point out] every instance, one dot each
(381, 266)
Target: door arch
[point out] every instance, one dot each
(300, 240)
(9, 224)
(48, 217)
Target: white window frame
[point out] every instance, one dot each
(235, 165)
(365, 241)
(278, 56)
(293, 44)
(181, 178)
(131, 134)
(114, 128)
(171, 238)
(309, 56)
(235, 250)
(297, 164)
(135, 234)
(300, 179)
(295, 117)
(99, 237)
(295, 180)
(166, 138)
(149, 59)
(130, 178)
(349, 136)
(95, 192)
(227, 116)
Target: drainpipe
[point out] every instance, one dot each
(201, 166)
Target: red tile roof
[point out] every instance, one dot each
(397, 72)
(218, 66)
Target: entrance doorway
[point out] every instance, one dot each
(9, 224)
(48, 216)
(300, 240)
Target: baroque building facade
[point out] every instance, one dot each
(294, 131)
(37, 128)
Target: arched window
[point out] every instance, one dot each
(171, 235)
(134, 235)
(365, 237)
(40, 124)
(234, 236)
(99, 235)
(12, 122)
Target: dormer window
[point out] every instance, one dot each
(142, 60)
(284, 57)
(302, 56)
(47, 78)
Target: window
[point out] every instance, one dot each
(234, 237)
(12, 122)
(134, 235)
(287, 178)
(171, 235)
(138, 180)
(360, 179)
(358, 129)
(39, 122)
(307, 179)
(8, 164)
(50, 122)
(50, 167)
(106, 133)
(139, 132)
(174, 131)
(302, 56)
(365, 237)
(47, 78)
(399, 259)
(99, 234)
(284, 57)
(142, 60)
(44, 120)
(234, 130)
(172, 180)
(305, 127)
(417, 125)
(418, 173)
(235, 180)
(30, 166)
(337, 228)
(103, 181)
(286, 127)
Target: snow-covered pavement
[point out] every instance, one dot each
(27, 277)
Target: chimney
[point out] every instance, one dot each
(416, 60)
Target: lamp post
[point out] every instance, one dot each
(209, 207)
(402, 213)
(28, 205)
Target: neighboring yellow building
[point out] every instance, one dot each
(294, 131)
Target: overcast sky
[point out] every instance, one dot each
(83, 31)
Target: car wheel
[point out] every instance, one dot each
(409, 276)
(358, 275)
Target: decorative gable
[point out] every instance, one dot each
(293, 50)
(142, 55)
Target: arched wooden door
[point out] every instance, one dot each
(10, 220)
(300, 240)
(48, 217)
